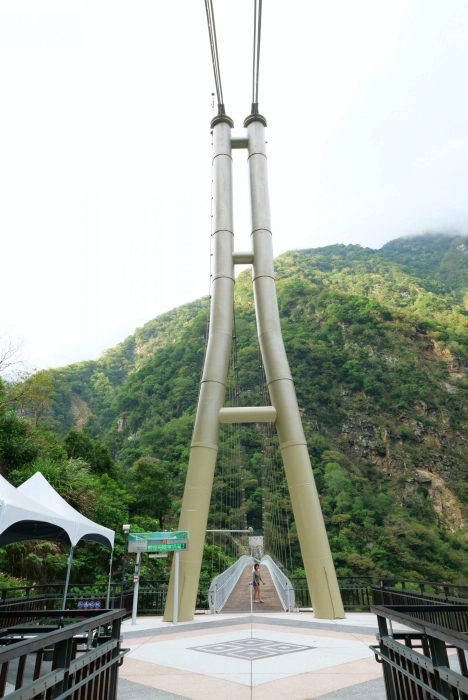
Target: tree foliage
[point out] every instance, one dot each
(80, 445)
(378, 346)
(150, 488)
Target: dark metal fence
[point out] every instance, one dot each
(60, 654)
(437, 588)
(151, 597)
(50, 596)
(357, 594)
(429, 660)
(392, 596)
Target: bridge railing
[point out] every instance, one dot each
(60, 654)
(222, 585)
(357, 594)
(405, 596)
(283, 585)
(428, 672)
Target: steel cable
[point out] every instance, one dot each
(214, 54)
(256, 53)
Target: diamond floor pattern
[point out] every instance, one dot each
(251, 649)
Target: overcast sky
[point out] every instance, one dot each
(105, 147)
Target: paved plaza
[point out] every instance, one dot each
(270, 656)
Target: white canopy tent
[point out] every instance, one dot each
(23, 518)
(38, 489)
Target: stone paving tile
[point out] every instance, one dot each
(186, 627)
(128, 690)
(315, 684)
(371, 690)
(233, 621)
(181, 684)
(335, 662)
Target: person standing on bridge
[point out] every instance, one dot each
(257, 580)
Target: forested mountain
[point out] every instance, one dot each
(378, 346)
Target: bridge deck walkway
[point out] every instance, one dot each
(239, 600)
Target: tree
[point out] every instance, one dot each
(36, 396)
(10, 354)
(29, 394)
(80, 445)
(151, 489)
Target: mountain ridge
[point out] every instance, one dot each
(378, 347)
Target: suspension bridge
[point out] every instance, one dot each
(215, 473)
(249, 498)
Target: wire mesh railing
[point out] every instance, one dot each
(283, 585)
(222, 586)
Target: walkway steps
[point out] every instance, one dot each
(239, 600)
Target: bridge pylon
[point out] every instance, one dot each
(284, 410)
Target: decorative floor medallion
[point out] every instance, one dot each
(251, 649)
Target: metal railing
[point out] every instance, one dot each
(444, 589)
(439, 611)
(356, 593)
(151, 597)
(395, 596)
(222, 585)
(430, 672)
(60, 654)
(282, 584)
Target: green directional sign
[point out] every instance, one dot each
(172, 547)
(157, 541)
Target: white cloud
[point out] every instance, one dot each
(105, 171)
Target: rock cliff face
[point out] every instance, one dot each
(378, 347)
(444, 502)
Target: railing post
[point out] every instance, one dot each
(439, 658)
(28, 591)
(114, 679)
(387, 669)
(62, 658)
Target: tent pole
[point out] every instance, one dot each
(67, 580)
(109, 582)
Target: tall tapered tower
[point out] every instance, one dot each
(284, 411)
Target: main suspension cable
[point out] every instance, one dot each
(256, 53)
(214, 54)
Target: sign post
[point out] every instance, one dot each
(136, 583)
(159, 543)
(175, 610)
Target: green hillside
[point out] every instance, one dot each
(378, 347)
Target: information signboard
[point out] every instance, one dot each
(88, 604)
(157, 541)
